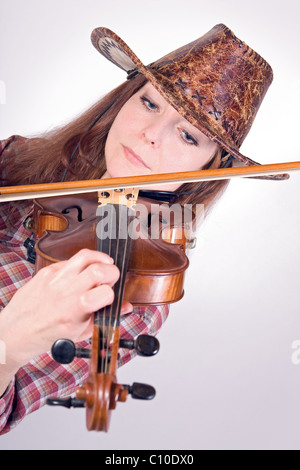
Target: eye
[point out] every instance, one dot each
(188, 138)
(149, 105)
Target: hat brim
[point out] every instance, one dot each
(114, 49)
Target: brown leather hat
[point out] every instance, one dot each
(216, 82)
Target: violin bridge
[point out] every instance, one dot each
(126, 197)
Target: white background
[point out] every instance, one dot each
(224, 375)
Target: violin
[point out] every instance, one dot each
(151, 272)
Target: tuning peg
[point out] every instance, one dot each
(64, 351)
(68, 402)
(141, 391)
(145, 345)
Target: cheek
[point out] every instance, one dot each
(115, 130)
(116, 165)
(196, 159)
(113, 137)
(178, 160)
(120, 128)
(125, 120)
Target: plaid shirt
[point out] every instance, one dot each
(43, 377)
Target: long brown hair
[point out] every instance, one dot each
(48, 156)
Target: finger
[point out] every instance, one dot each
(80, 261)
(95, 275)
(97, 298)
(126, 307)
(87, 333)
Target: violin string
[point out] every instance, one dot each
(117, 303)
(106, 314)
(103, 310)
(105, 323)
(125, 254)
(110, 307)
(113, 252)
(122, 270)
(121, 264)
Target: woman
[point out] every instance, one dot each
(189, 110)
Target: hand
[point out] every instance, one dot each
(58, 302)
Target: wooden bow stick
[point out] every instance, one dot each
(34, 191)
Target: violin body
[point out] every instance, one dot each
(65, 225)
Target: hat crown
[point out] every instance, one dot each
(219, 79)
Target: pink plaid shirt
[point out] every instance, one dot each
(43, 377)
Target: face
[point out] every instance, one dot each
(149, 136)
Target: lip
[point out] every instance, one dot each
(134, 158)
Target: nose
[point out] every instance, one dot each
(152, 133)
(149, 140)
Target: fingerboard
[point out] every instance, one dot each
(113, 238)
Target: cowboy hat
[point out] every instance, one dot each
(216, 82)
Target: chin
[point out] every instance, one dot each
(115, 171)
(119, 171)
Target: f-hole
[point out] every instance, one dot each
(79, 212)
